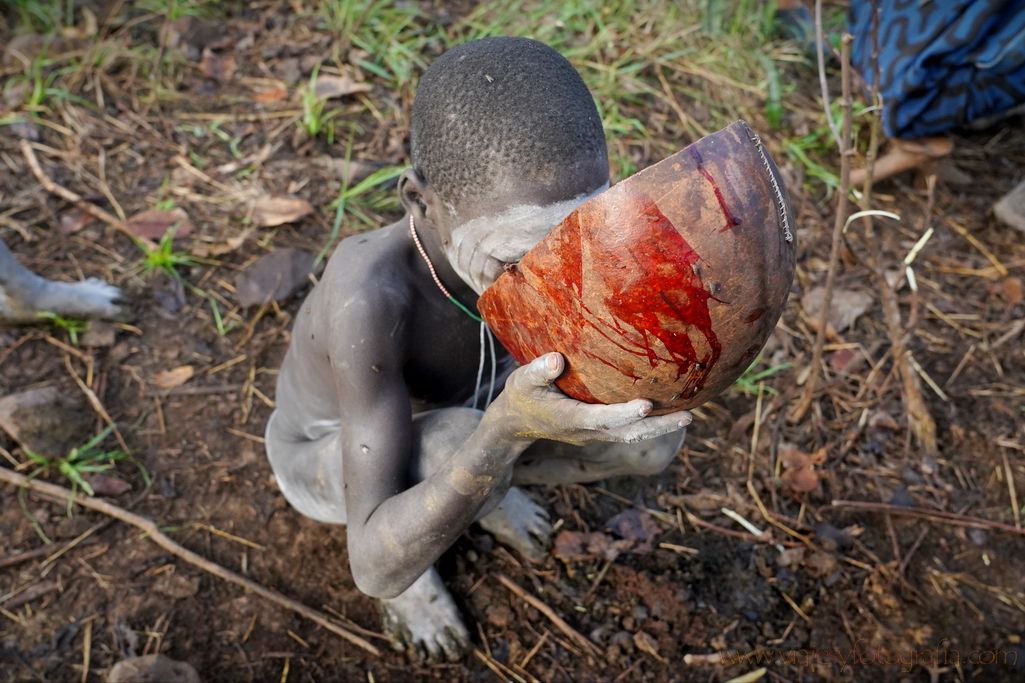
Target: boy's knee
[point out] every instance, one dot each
(652, 457)
(446, 424)
(437, 434)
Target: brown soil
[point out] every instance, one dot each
(852, 592)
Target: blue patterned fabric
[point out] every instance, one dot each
(942, 63)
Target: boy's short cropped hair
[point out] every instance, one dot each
(497, 106)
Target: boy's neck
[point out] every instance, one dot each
(437, 260)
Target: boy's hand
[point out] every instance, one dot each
(531, 407)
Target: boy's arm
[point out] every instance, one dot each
(395, 533)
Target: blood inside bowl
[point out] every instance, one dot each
(663, 287)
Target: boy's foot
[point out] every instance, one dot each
(1011, 207)
(905, 155)
(521, 524)
(425, 621)
(90, 298)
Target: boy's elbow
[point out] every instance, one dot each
(372, 579)
(377, 585)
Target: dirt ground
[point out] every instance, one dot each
(662, 583)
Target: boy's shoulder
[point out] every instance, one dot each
(368, 276)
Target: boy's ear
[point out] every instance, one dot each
(415, 195)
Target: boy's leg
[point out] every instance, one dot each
(509, 514)
(550, 462)
(425, 616)
(307, 465)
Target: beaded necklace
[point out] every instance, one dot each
(484, 329)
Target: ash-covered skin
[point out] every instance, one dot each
(482, 247)
(25, 297)
(370, 428)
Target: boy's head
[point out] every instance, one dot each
(505, 142)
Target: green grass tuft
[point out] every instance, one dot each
(164, 258)
(88, 458)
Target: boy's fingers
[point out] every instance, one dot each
(604, 417)
(543, 370)
(651, 427)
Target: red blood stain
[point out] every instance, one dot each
(650, 282)
(731, 220)
(641, 292)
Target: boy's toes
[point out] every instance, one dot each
(521, 524)
(425, 621)
(455, 643)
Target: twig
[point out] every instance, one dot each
(742, 535)
(29, 594)
(548, 612)
(1009, 473)
(811, 383)
(97, 405)
(821, 59)
(935, 515)
(67, 195)
(61, 494)
(87, 646)
(24, 556)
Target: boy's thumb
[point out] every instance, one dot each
(543, 370)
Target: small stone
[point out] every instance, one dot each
(622, 639)
(499, 616)
(1011, 207)
(152, 669)
(99, 335)
(45, 420)
(176, 586)
(599, 634)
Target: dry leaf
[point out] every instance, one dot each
(271, 211)
(844, 360)
(74, 220)
(799, 469)
(636, 526)
(270, 95)
(327, 86)
(154, 224)
(220, 249)
(169, 379)
(791, 557)
(847, 306)
(220, 68)
(820, 564)
(575, 546)
(107, 485)
(1012, 290)
(647, 644)
(277, 276)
